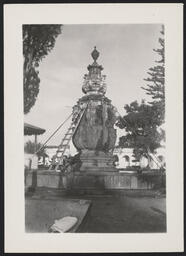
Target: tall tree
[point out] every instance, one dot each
(30, 148)
(38, 41)
(156, 81)
(142, 121)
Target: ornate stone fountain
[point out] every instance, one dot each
(95, 139)
(95, 136)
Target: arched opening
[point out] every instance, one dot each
(126, 161)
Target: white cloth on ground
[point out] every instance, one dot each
(64, 224)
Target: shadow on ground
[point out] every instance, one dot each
(126, 215)
(113, 213)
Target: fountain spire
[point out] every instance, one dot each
(94, 81)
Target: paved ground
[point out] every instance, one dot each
(126, 214)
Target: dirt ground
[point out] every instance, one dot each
(40, 214)
(122, 214)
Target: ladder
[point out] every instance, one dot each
(154, 158)
(67, 138)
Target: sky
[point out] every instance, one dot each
(126, 54)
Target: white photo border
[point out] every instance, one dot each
(15, 15)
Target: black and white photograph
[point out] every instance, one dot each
(95, 130)
(94, 114)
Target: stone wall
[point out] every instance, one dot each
(80, 180)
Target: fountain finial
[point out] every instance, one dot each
(95, 54)
(94, 81)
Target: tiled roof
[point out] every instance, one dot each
(32, 130)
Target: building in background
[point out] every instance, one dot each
(127, 160)
(31, 159)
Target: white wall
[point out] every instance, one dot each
(144, 162)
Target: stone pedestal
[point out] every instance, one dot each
(96, 161)
(95, 182)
